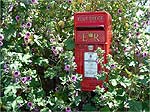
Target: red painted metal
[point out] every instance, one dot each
(91, 29)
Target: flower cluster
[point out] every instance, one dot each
(27, 37)
(138, 53)
(56, 50)
(26, 25)
(25, 79)
(17, 75)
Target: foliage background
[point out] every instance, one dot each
(38, 45)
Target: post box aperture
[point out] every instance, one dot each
(92, 30)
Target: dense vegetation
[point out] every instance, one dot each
(37, 57)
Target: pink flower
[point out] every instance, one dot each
(26, 39)
(68, 109)
(113, 66)
(144, 54)
(16, 74)
(69, 1)
(29, 104)
(34, 1)
(74, 78)
(24, 79)
(51, 40)
(28, 34)
(136, 25)
(1, 43)
(138, 33)
(17, 18)
(23, 25)
(56, 89)
(29, 78)
(1, 37)
(137, 53)
(33, 50)
(29, 24)
(119, 11)
(55, 52)
(67, 68)
(53, 48)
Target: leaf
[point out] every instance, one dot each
(15, 65)
(132, 63)
(63, 79)
(123, 84)
(45, 110)
(101, 76)
(105, 109)
(146, 106)
(141, 77)
(9, 31)
(34, 83)
(144, 69)
(110, 104)
(13, 104)
(50, 72)
(113, 82)
(26, 58)
(88, 107)
(129, 73)
(69, 44)
(135, 106)
(37, 41)
(42, 62)
(8, 89)
(77, 100)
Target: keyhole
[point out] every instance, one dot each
(90, 56)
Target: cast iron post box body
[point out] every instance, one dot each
(92, 30)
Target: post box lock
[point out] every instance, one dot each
(91, 30)
(90, 47)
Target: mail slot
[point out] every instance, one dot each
(91, 30)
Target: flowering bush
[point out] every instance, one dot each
(37, 59)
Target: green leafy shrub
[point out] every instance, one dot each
(37, 57)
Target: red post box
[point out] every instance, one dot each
(92, 30)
